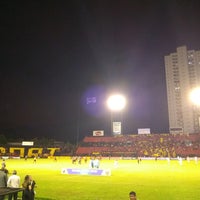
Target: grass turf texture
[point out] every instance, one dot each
(152, 180)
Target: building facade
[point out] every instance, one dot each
(182, 70)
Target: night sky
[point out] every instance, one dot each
(61, 59)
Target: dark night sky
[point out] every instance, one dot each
(53, 55)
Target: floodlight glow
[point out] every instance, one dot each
(195, 96)
(116, 102)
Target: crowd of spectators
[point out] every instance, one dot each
(135, 145)
(144, 145)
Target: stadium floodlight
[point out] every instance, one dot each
(116, 102)
(195, 99)
(195, 96)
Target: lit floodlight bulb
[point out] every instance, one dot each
(116, 102)
(195, 96)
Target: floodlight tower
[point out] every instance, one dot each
(116, 103)
(195, 99)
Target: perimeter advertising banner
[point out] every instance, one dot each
(117, 127)
(27, 143)
(93, 172)
(175, 130)
(98, 133)
(144, 131)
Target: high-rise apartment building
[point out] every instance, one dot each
(182, 70)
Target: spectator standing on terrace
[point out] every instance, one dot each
(132, 195)
(29, 186)
(13, 182)
(3, 180)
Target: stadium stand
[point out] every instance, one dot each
(146, 145)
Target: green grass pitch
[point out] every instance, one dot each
(152, 180)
